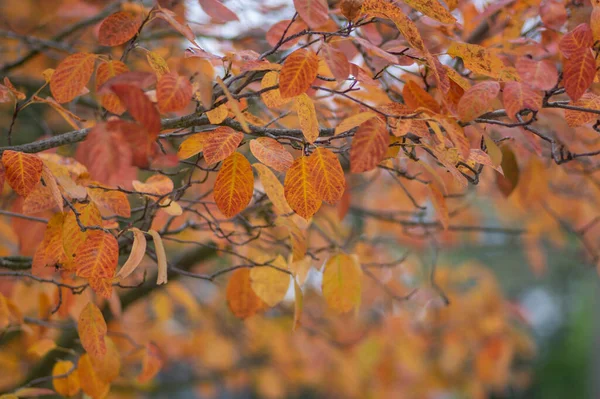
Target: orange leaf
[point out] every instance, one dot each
(578, 74)
(71, 76)
(91, 384)
(173, 92)
(92, 330)
(517, 97)
(314, 12)
(110, 202)
(39, 200)
(68, 385)
(98, 256)
(285, 29)
(579, 118)
(241, 299)
(457, 135)
(415, 97)
(297, 237)
(234, 185)
(73, 237)
(138, 250)
(351, 9)
(139, 106)
(217, 115)
(155, 186)
(433, 9)
(369, 146)
(307, 116)
(218, 11)
(541, 75)
(22, 171)
(108, 367)
(106, 71)
(50, 252)
(477, 100)
(273, 189)
(342, 283)
(118, 28)
(272, 98)
(106, 155)
(299, 191)
(270, 152)
(221, 143)
(151, 364)
(192, 145)
(184, 29)
(353, 121)
(326, 175)
(477, 58)
(336, 61)
(298, 72)
(577, 41)
(405, 25)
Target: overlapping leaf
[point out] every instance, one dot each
(577, 41)
(353, 121)
(65, 378)
(415, 97)
(22, 171)
(118, 28)
(221, 143)
(299, 190)
(578, 74)
(314, 12)
(270, 152)
(307, 116)
(477, 100)
(234, 185)
(241, 299)
(90, 382)
(270, 284)
(273, 188)
(580, 118)
(517, 97)
(541, 75)
(298, 72)
(71, 76)
(173, 92)
(477, 58)
(139, 106)
(327, 175)
(98, 256)
(369, 146)
(92, 329)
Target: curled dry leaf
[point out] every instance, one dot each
(138, 250)
(161, 257)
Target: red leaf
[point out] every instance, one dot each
(517, 97)
(539, 74)
(118, 28)
(579, 72)
(579, 39)
(314, 12)
(217, 11)
(173, 92)
(139, 106)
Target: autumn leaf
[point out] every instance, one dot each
(477, 58)
(272, 98)
(517, 97)
(106, 71)
(218, 11)
(369, 146)
(342, 283)
(270, 284)
(109, 202)
(308, 117)
(118, 28)
(326, 175)
(540, 75)
(477, 100)
(241, 299)
(580, 118)
(299, 190)
(138, 250)
(68, 382)
(415, 97)
(314, 12)
(336, 61)
(298, 304)
(90, 383)
(192, 145)
(578, 41)
(218, 114)
(139, 106)
(220, 144)
(71, 76)
(353, 121)
(108, 367)
(152, 363)
(508, 181)
(155, 186)
(92, 329)
(22, 171)
(298, 72)
(270, 152)
(439, 203)
(273, 188)
(405, 25)
(433, 9)
(161, 257)
(233, 104)
(98, 256)
(173, 92)
(578, 74)
(234, 185)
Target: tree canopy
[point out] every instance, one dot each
(247, 196)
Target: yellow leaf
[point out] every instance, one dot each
(273, 189)
(161, 257)
(91, 384)
(270, 284)
(108, 367)
(41, 347)
(298, 238)
(272, 98)
(69, 384)
(433, 9)
(353, 121)
(217, 115)
(477, 58)
(157, 63)
(342, 283)
(192, 145)
(307, 116)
